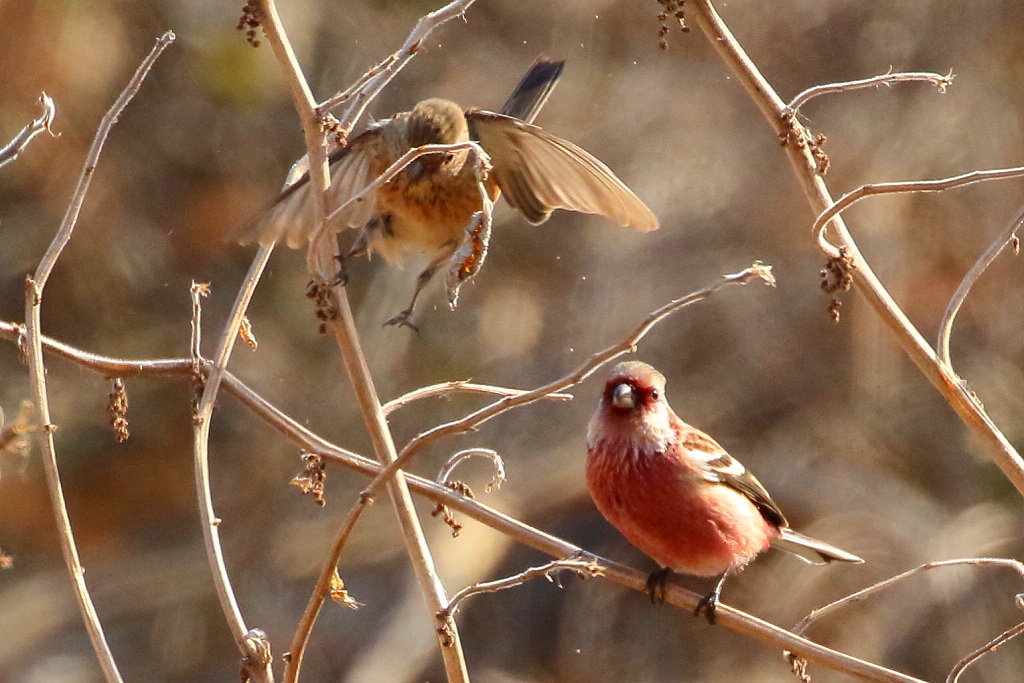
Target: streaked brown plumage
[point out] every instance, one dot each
(426, 208)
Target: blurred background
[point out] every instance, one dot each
(854, 444)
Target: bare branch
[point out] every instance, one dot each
(938, 80)
(67, 225)
(251, 643)
(805, 166)
(757, 272)
(875, 589)
(458, 385)
(389, 173)
(43, 122)
(584, 569)
(771, 636)
(390, 67)
(33, 304)
(874, 189)
(497, 478)
(321, 256)
(990, 646)
(1007, 236)
(443, 478)
(197, 292)
(861, 595)
(104, 365)
(356, 88)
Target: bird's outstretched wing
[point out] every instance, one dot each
(715, 465)
(291, 215)
(539, 173)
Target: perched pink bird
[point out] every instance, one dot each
(675, 494)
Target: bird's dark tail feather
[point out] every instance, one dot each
(533, 91)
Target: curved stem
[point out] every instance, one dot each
(251, 643)
(342, 325)
(771, 636)
(979, 267)
(804, 165)
(33, 304)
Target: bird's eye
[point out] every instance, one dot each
(655, 394)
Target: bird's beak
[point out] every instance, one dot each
(623, 396)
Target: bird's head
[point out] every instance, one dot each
(633, 408)
(634, 386)
(431, 122)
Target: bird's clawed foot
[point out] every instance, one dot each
(707, 606)
(341, 277)
(402, 320)
(656, 585)
(709, 603)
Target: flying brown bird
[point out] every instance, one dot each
(427, 207)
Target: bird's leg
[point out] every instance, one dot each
(359, 246)
(421, 281)
(709, 603)
(341, 277)
(656, 585)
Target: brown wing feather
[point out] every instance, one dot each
(539, 173)
(291, 215)
(716, 465)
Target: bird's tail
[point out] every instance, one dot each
(811, 550)
(533, 91)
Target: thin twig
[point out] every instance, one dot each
(771, 636)
(990, 646)
(342, 325)
(395, 168)
(107, 366)
(397, 61)
(756, 272)
(197, 292)
(938, 80)
(805, 167)
(874, 189)
(497, 477)
(1007, 236)
(352, 90)
(863, 594)
(388, 174)
(33, 304)
(458, 385)
(444, 478)
(12, 149)
(251, 643)
(583, 568)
